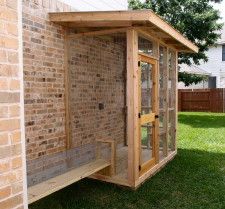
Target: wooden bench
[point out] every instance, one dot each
(52, 185)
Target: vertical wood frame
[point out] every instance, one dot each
(67, 89)
(173, 98)
(165, 97)
(155, 109)
(176, 96)
(132, 106)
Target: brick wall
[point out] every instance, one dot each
(44, 79)
(12, 156)
(97, 83)
(97, 77)
(44, 88)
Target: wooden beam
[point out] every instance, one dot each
(67, 90)
(149, 118)
(154, 37)
(121, 19)
(98, 33)
(132, 106)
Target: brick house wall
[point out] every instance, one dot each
(12, 142)
(44, 93)
(97, 82)
(43, 50)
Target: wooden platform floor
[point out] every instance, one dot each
(52, 185)
(122, 160)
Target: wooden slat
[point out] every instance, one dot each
(149, 118)
(98, 33)
(147, 58)
(52, 185)
(146, 166)
(132, 106)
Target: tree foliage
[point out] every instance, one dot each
(195, 19)
(189, 79)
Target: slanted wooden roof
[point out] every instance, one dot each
(144, 19)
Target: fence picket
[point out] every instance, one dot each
(202, 100)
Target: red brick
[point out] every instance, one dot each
(5, 192)
(13, 57)
(11, 28)
(14, 84)
(11, 4)
(4, 166)
(9, 125)
(4, 84)
(4, 140)
(16, 162)
(15, 137)
(3, 57)
(14, 111)
(8, 42)
(12, 202)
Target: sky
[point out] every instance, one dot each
(221, 8)
(97, 4)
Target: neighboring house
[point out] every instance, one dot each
(98, 5)
(197, 71)
(216, 62)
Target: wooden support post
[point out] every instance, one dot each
(166, 102)
(132, 106)
(113, 154)
(176, 97)
(173, 110)
(155, 109)
(67, 90)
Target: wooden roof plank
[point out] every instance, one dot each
(122, 19)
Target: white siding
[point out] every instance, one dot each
(98, 5)
(215, 65)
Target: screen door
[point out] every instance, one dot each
(148, 112)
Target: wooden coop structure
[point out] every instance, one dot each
(120, 97)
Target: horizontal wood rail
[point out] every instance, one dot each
(52, 185)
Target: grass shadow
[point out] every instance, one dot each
(203, 120)
(193, 180)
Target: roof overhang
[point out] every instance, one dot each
(145, 19)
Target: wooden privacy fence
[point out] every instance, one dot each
(202, 100)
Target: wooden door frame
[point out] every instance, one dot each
(153, 117)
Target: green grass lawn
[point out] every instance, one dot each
(195, 179)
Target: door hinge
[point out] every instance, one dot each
(139, 168)
(139, 63)
(139, 115)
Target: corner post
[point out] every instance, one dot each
(132, 106)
